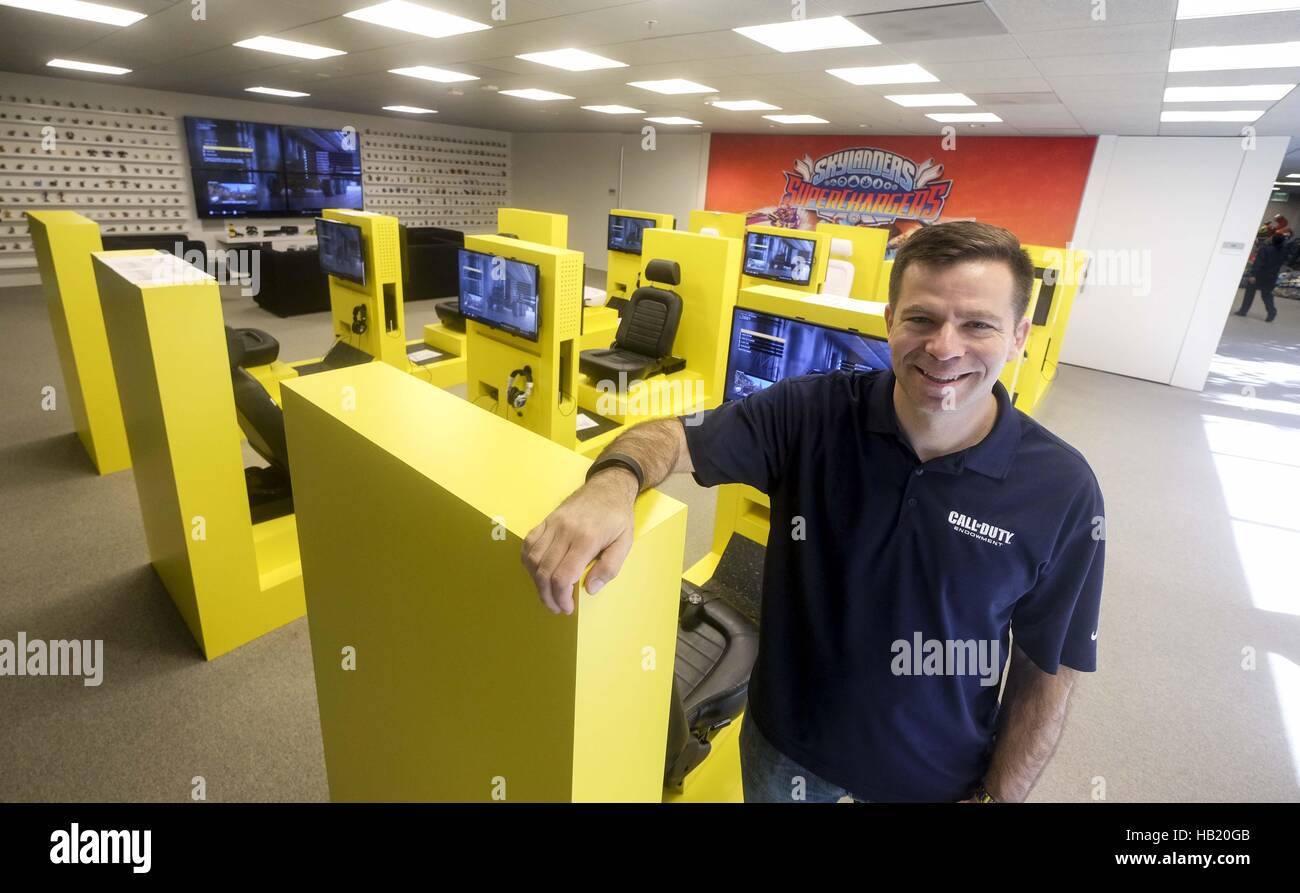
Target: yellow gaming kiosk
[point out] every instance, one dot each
(726, 224)
(439, 674)
(360, 252)
(624, 241)
(1058, 274)
(792, 258)
(64, 241)
(522, 303)
(778, 333)
(669, 356)
(228, 559)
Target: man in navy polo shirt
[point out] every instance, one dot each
(918, 522)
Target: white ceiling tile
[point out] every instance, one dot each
(1054, 15)
(1274, 27)
(1153, 37)
(957, 49)
(1104, 63)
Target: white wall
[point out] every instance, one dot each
(1156, 214)
(180, 104)
(584, 175)
(569, 173)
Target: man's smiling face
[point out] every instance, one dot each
(951, 331)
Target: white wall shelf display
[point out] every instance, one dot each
(457, 182)
(120, 166)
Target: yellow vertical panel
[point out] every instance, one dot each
(63, 242)
(882, 284)
(464, 685)
(623, 269)
(728, 224)
(169, 356)
(381, 246)
(542, 227)
(491, 354)
(710, 270)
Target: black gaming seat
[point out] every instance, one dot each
(646, 329)
(262, 421)
(717, 643)
(448, 310)
(259, 347)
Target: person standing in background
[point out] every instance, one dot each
(1263, 275)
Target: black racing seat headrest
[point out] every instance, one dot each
(666, 272)
(235, 348)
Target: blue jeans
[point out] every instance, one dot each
(769, 776)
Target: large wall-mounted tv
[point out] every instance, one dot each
(248, 169)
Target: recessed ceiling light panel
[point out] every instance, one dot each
(416, 19)
(831, 32)
(1245, 93)
(1172, 117)
(964, 117)
(288, 47)
(745, 105)
(1236, 58)
(429, 73)
(673, 119)
(929, 100)
(273, 91)
(796, 119)
(672, 86)
(75, 9)
(536, 95)
(614, 109)
(410, 109)
(884, 74)
(94, 67)
(572, 60)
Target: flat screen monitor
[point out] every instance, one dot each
(313, 194)
(238, 193)
(499, 293)
(233, 145)
(766, 348)
(340, 250)
(781, 258)
(625, 232)
(322, 153)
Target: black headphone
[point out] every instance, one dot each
(516, 397)
(359, 319)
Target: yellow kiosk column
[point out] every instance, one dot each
(439, 674)
(623, 268)
(64, 241)
(231, 580)
(494, 354)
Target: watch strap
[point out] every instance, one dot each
(618, 460)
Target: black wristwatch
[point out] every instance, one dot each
(619, 460)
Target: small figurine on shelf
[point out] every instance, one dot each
(231, 231)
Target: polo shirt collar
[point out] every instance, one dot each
(992, 456)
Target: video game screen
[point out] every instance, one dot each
(767, 348)
(233, 145)
(311, 194)
(500, 293)
(321, 153)
(782, 258)
(340, 250)
(625, 232)
(236, 194)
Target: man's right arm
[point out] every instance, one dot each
(595, 522)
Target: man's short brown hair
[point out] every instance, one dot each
(963, 240)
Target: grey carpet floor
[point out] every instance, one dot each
(1202, 534)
